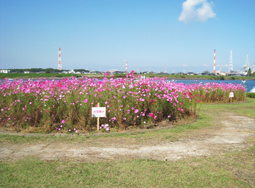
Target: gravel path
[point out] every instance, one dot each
(232, 135)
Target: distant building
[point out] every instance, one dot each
(206, 73)
(191, 73)
(120, 72)
(162, 73)
(223, 73)
(234, 73)
(71, 72)
(4, 71)
(180, 73)
(145, 72)
(92, 72)
(40, 72)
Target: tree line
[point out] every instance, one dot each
(41, 70)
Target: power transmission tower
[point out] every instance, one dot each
(230, 62)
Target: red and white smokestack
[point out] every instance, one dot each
(126, 67)
(59, 59)
(214, 64)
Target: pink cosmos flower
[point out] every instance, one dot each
(136, 111)
(151, 114)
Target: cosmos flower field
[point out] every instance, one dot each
(66, 104)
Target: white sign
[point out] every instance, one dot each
(98, 111)
(231, 94)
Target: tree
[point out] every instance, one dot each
(249, 72)
(49, 70)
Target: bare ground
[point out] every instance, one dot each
(231, 134)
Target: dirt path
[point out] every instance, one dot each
(232, 135)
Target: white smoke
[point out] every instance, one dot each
(191, 12)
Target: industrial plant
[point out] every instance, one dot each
(246, 69)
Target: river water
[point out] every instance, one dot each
(249, 84)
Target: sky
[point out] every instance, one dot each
(150, 35)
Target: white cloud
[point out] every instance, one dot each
(191, 12)
(226, 65)
(205, 65)
(184, 65)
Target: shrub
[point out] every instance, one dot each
(251, 95)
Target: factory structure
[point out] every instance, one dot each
(59, 59)
(214, 61)
(242, 72)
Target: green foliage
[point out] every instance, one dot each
(35, 75)
(249, 72)
(81, 70)
(251, 95)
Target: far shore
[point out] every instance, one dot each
(99, 76)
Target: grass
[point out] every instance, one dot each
(235, 169)
(246, 109)
(140, 136)
(232, 169)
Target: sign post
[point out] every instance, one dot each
(231, 95)
(98, 112)
(98, 105)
